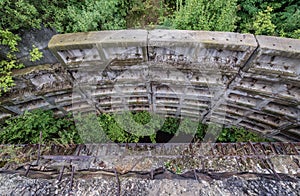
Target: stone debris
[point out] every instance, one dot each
(14, 184)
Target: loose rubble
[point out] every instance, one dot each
(14, 184)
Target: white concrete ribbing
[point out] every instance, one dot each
(246, 80)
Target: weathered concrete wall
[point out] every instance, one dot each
(234, 79)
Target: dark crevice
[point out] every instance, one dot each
(247, 64)
(254, 54)
(147, 47)
(164, 137)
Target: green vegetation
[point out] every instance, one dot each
(87, 15)
(123, 128)
(35, 54)
(211, 15)
(262, 24)
(26, 128)
(267, 17)
(281, 15)
(64, 16)
(235, 134)
(9, 39)
(90, 15)
(176, 168)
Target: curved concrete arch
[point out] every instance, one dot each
(235, 79)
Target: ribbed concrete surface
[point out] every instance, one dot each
(229, 78)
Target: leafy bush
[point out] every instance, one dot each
(139, 124)
(91, 128)
(235, 134)
(128, 128)
(284, 17)
(201, 130)
(26, 128)
(211, 15)
(65, 16)
(288, 21)
(92, 15)
(9, 39)
(18, 14)
(102, 128)
(35, 54)
(188, 126)
(138, 12)
(171, 125)
(15, 15)
(263, 24)
(111, 125)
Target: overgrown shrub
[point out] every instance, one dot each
(262, 24)
(142, 13)
(282, 20)
(11, 40)
(235, 134)
(90, 15)
(26, 129)
(121, 128)
(91, 128)
(211, 15)
(64, 16)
